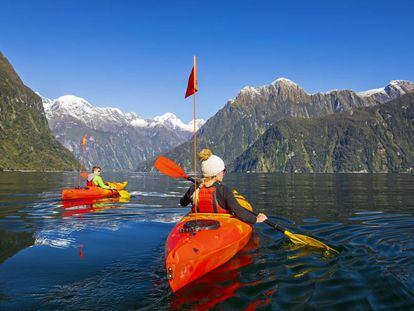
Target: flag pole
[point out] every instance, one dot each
(82, 158)
(195, 126)
(192, 90)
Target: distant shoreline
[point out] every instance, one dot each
(143, 172)
(34, 171)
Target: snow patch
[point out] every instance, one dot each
(139, 123)
(172, 121)
(396, 84)
(249, 89)
(368, 93)
(284, 80)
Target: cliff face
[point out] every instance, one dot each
(242, 121)
(26, 141)
(373, 139)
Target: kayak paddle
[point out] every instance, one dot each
(168, 167)
(124, 194)
(297, 239)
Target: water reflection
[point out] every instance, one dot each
(219, 285)
(82, 206)
(12, 242)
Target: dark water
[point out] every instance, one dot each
(110, 256)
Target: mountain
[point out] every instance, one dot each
(26, 141)
(236, 127)
(117, 140)
(373, 139)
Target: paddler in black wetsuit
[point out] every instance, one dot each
(211, 196)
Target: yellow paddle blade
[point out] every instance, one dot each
(300, 239)
(123, 200)
(242, 201)
(124, 194)
(117, 185)
(297, 239)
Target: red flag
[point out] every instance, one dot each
(192, 87)
(84, 140)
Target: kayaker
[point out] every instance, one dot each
(95, 179)
(211, 196)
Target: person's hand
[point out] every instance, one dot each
(261, 217)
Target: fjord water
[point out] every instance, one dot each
(110, 255)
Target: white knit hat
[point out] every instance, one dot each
(212, 166)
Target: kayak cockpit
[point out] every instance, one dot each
(198, 225)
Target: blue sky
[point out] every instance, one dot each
(137, 55)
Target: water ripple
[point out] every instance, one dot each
(110, 255)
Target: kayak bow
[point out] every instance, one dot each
(93, 192)
(201, 242)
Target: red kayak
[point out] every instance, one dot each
(88, 193)
(92, 192)
(199, 243)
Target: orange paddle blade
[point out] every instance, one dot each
(84, 175)
(169, 168)
(84, 140)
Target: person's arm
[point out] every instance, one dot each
(231, 203)
(97, 180)
(187, 198)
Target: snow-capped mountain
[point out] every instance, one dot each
(394, 88)
(170, 120)
(116, 140)
(99, 118)
(244, 119)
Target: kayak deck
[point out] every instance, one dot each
(191, 253)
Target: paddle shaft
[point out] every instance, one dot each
(267, 222)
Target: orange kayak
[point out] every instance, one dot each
(92, 192)
(194, 248)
